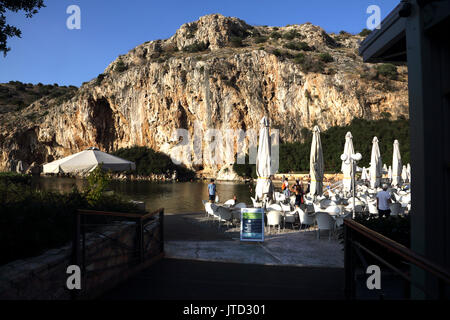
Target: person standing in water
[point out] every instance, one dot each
(212, 191)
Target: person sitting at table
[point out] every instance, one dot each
(235, 201)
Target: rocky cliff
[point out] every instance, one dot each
(219, 72)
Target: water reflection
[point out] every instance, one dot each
(173, 197)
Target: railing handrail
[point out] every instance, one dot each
(145, 215)
(400, 250)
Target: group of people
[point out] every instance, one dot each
(296, 189)
(384, 198)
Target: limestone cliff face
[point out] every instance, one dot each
(217, 71)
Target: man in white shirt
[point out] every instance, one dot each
(383, 201)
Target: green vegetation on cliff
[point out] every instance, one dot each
(294, 157)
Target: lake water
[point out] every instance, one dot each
(174, 197)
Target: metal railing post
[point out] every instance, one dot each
(75, 248)
(161, 229)
(348, 264)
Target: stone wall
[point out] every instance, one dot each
(109, 260)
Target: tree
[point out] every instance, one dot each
(30, 7)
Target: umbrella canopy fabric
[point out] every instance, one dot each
(396, 165)
(408, 169)
(86, 161)
(404, 174)
(347, 164)
(375, 165)
(364, 175)
(316, 166)
(264, 186)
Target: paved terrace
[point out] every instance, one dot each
(205, 263)
(192, 236)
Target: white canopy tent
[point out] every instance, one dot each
(316, 166)
(375, 165)
(396, 165)
(264, 186)
(346, 165)
(86, 161)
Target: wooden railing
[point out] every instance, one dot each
(137, 251)
(355, 233)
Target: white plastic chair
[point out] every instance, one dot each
(222, 214)
(305, 219)
(292, 200)
(230, 202)
(274, 207)
(326, 203)
(279, 197)
(396, 208)
(333, 210)
(285, 207)
(208, 209)
(372, 208)
(255, 203)
(324, 222)
(273, 219)
(310, 208)
(240, 205)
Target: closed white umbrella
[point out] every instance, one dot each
(396, 165)
(375, 165)
(347, 164)
(404, 174)
(408, 169)
(264, 186)
(86, 161)
(364, 175)
(390, 174)
(316, 167)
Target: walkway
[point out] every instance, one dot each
(205, 263)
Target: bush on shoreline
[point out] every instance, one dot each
(32, 221)
(150, 162)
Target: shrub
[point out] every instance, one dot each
(277, 52)
(245, 170)
(260, 39)
(32, 221)
(365, 32)
(309, 64)
(100, 78)
(150, 162)
(236, 42)
(275, 35)
(196, 47)
(98, 181)
(299, 58)
(396, 228)
(326, 57)
(291, 35)
(120, 66)
(298, 46)
(387, 70)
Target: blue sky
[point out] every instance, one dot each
(48, 52)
